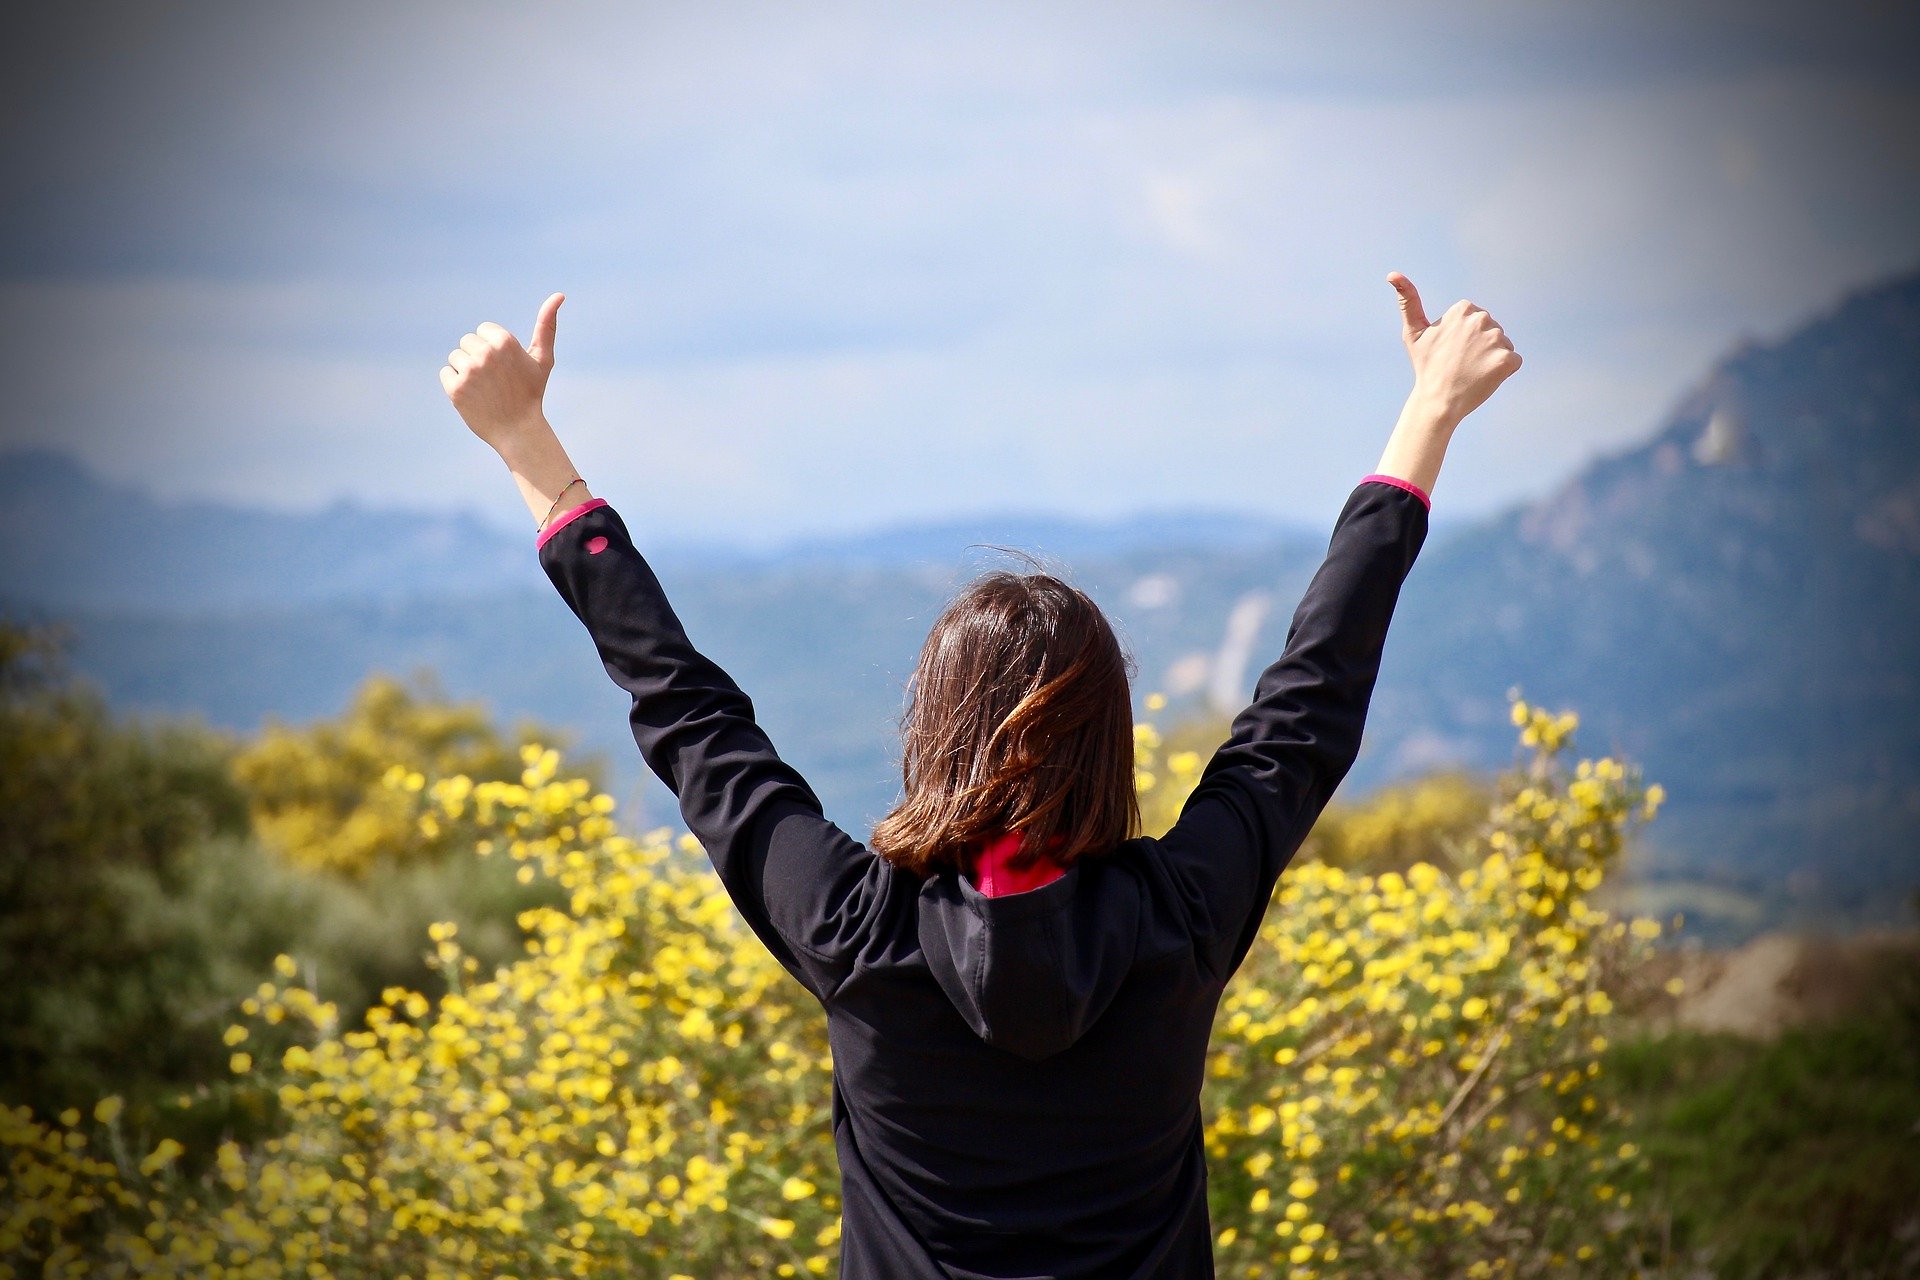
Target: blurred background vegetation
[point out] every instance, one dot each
(150, 871)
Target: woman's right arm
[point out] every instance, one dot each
(801, 882)
(1290, 748)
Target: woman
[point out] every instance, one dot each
(1018, 988)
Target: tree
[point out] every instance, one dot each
(314, 790)
(91, 997)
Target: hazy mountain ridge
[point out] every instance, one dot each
(824, 651)
(239, 614)
(76, 540)
(1734, 602)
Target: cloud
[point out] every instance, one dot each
(1697, 201)
(840, 265)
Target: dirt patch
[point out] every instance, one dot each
(1781, 980)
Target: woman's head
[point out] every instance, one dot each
(1019, 719)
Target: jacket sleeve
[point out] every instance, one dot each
(802, 884)
(1289, 749)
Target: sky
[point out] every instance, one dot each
(833, 267)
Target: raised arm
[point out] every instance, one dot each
(800, 882)
(1293, 744)
(1458, 361)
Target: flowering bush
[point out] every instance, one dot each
(1401, 1073)
(1399, 1081)
(313, 789)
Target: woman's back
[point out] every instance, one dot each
(1017, 1082)
(1016, 1078)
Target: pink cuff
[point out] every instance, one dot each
(567, 519)
(1398, 483)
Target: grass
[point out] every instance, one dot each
(1794, 1157)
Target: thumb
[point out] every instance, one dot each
(1413, 316)
(541, 346)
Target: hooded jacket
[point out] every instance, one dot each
(1016, 1077)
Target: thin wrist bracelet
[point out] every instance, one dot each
(556, 502)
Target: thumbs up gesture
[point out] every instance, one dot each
(1458, 360)
(497, 385)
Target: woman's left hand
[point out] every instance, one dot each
(497, 385)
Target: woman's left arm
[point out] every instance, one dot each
(801, 882)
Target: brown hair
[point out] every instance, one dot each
(1018, 719)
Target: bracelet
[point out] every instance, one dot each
(556, 502)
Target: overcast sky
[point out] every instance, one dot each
(830, 267)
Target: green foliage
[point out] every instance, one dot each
(1796, 1156)
(93, 806)
(137, 910)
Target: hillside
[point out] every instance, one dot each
(75, 541)
(1734, 602)
(238, 614)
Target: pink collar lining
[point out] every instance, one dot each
(994, 878)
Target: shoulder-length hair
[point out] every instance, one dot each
(1019, 718)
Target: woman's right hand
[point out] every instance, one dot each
(1459, 359)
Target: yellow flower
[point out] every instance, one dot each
(162, 1155)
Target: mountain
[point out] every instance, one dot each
(1734, 602)
(76, 541)
(240, 614)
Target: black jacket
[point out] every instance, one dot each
(1016, 1080)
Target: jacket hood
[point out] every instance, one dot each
(1031, 972)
